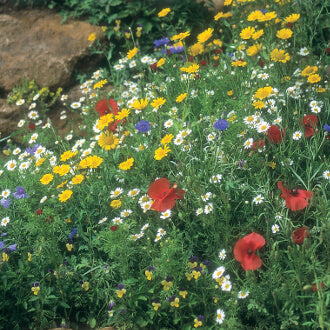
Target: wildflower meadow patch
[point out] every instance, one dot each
(196, 193)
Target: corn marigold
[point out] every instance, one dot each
(164, 12)
(256, 35)
(205, 35)
(247, 33)
(127, 164)
(278, 55)
(292, 18)
(308, 70)
(108, 140)
(140, 105)
(160, 153)
(65, 195)
(77, 179)
(47, 178)
(313, 78)
(181, 97)
(131, 53)
(264, 92)
(253, 50)
(284, 34)
(181, 36)
(61, 169)
(158, 102)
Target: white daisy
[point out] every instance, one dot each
(220, 316)
(242, 294)
(297, 135)
(5, 221)
(326, 174)
(166, 214)
(275, 229)
(258, 199)
(222, 254)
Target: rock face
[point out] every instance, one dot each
(35, 45)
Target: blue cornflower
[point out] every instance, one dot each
(73, 233)
(5, 202)
(32, 150)
(221, 124)
(2, 245)
(326, 127)
(12, 247)
(20, 193)
(143, 126)
(161, 42)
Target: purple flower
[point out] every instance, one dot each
(73, 233)
(20, 193)
(151, 269)
(221, 124)
(32, 150)
(111, 304)
(200, 318)
(161, 42)
(5, 202)
(12, 247)
(171, 298)
(122, 311)
(326, 127)
(4, 234)
(143, 126)
(2, 245)
(120, 286)
(193, 259)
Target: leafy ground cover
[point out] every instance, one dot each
(198, 195)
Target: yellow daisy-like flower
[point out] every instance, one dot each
(227, 2)
(264, 92)
(247, 33)
(65, 195)
(267, 16)
(181, 97)
(313, 78)
(278, 55)
(77, 179)
(284, 34)
(181, 36)
(255, 16)
(309, 70)
(196, 49)
(131, 53)
(158, 102)
(239, 63)
(258, 104)
(61, 169)
(256, 35)
(164, 12)
(160, 153)
(67, 155)
(91, 37)
(127, 164)
(161, 62)
(90, 162)
(222, 15)
(205, 35)
(124, 113)
(167, 139)
(40, 161)
(140, 105)
(115, 204)
(104, 121)
(193, 68)
(108, 140)
(62, 184)
(100, 84)
(217, 42)
(253, 50)
(292, 18)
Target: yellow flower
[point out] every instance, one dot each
(61, 169)
(127, 164)
(222, 15)
(272, 165)
(35, 290)
(284, 34)
(148, 274)
(104, 121)
(255, 15)
(164, 12)
(5, 257)
(140, 105)
(124, 113)
(258, 104)
(85, 286)
(116, 203)
(253, 50)
(160, 153)
(159, 101)
(69, 247)
(313, 78)
(181, 36)
(62, 184)
(189, 276)
(197, 323)
(108, 140)
(205, 35)
(239, 63)
(247, 33)
(166, 285)
(321, 90)
(175, 303)
(131, 53)
(77, 179)
(196, 274)
(120, 293)
(227, 2)
(65, 195)
(292, 18)
(308, 70)
(196, 49)
(181, 97)
(183, 293)
(29, 256)
(161, 62)
(230, 93)
(193, 68)
(94, 161)
(267, 16)
(40, 161)
(217, 42)
(264, 92)
(279, 56)
(156, 305)
(167, 139)
(91, 37)
(100, 84)
(67, 155)
(47, 178)
(256, 35)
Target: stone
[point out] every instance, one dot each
(213, 4)
(35, 45)
(9, 117)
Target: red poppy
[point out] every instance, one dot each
(275, 134)
(218, 51)
(259, 144)
(190, 59)
(295, 199)
(32, 127)
(309, 123)
(261, 63)
(104, 107)
(202, 63)
(164, 197)
(113, 228)
(153, 66)
(299, 235)
(38, 212)
(244, 251)
(317, 287)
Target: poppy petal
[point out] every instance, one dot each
(114, 106)
(285, 192)
(251, 263)
(158, 188)
(295, 203)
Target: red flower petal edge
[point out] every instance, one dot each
(244, 251)
(299, 235)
